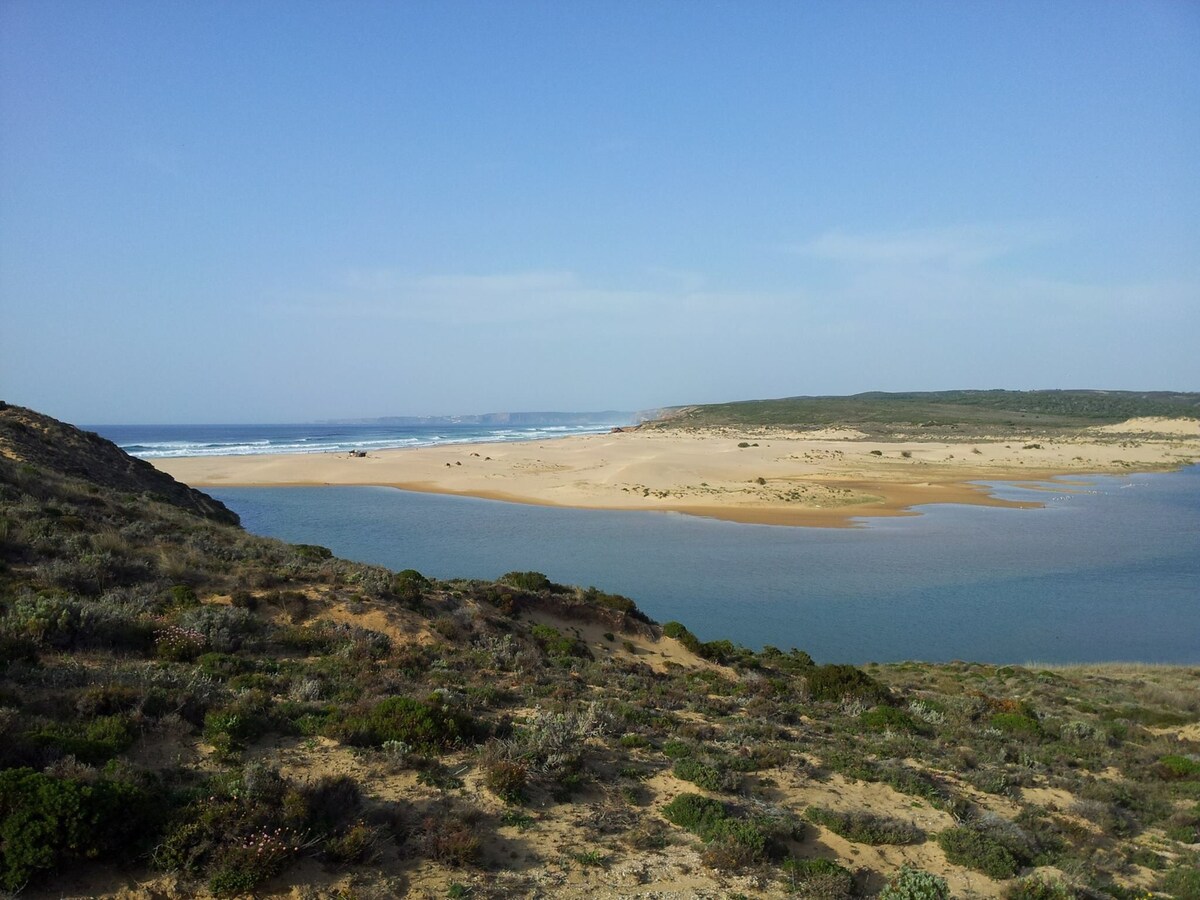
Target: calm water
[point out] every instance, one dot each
(1111, 572)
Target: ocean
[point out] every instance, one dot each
(1107, 570)
(161, 441)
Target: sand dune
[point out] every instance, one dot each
(753, 475)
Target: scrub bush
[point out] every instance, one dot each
(732, 843)
(507, 780)
(410, 586)
(425, 726)
(1036, 887)
(818, 879)
(527, 581)
(47, 822)
(970, 847)
(915, 884)
(864, 827)
(834, 682)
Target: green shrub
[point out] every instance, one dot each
(310, 640)
(1017, 725)
(507, 780)
(182, 595)
(227, 629)
(677, 749)
(970, 847)
(1036, 887)
(701, 774)
(835, 682)
(46, 822)
(614, 601)
(313, 552)
(917, 783)
(94, 742)
(732, 843)
(818, 879)
(356, 844)
(239, 830)
(424, 726)
(555, 643)
(700, 815)
(889, 718)
(794, 661)
(679, 632)
(915, 884)
(1178, 768)
(864, 827)
(527, 581)
(1182, 883)
(739, 844)
(410, 586)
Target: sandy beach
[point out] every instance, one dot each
(761, 475)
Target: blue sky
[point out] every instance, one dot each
(269, 211)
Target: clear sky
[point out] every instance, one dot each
(249, 211)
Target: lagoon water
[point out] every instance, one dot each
(1109, 571)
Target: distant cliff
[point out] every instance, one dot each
(33, 439)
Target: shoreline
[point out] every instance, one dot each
(754, 476)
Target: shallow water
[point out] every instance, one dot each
(1108, 572)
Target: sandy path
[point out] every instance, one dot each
(779, 477)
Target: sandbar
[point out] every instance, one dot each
(753, 475)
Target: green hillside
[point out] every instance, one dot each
(995, 411)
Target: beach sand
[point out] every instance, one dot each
(825, 478)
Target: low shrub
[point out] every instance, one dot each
(970, 847)
(449, 839)
(915, 884)
(1037, 887)
(1017, 725)
(555, 643)
(527, 581)
(45, 822)
(701, 774)
(889, 718)
(679, 632)
(835, 682)
(176, 644)
(864, 827)
(1182, 882)
(410, 586)
(313, 552)
(507, 780)
(818, 879)
(700, 815)
(94, 742)
(425, 726)
(1179, 768)
(732, 843)
(614, 601)
(356, 844)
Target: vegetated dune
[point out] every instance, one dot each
(190, 710)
